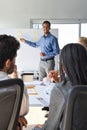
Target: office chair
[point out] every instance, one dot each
(11, 92)
(75, 117)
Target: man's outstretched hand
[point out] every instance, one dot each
(22, 40)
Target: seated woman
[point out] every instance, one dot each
(73, 71)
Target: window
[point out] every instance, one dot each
(67, 33)
(37, 26)
(84, 29)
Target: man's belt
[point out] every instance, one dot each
(52, 58)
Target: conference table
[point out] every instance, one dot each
(39, 92)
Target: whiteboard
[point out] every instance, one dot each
(27, 57)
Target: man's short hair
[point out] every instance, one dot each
(8, 48)
(47, 22)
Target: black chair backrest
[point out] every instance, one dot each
(11, 92)
(75, 117)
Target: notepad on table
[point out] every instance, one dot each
(31, 90)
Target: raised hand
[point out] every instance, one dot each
(53, 75)
(22, 40)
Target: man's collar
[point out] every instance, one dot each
(47, 35)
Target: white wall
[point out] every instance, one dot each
(17, 13)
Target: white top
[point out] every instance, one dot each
(25, 103)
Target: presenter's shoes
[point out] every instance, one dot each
(45, 108)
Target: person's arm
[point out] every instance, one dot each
(24, 106)
(55, 110)
(56, 107)
(33, 44)
(21, 122)
(55, 47)
(25, 100)
(25, 103)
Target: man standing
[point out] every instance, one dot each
(49, 49)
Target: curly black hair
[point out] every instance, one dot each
(8, 48)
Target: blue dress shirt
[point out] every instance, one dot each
(48, 44)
